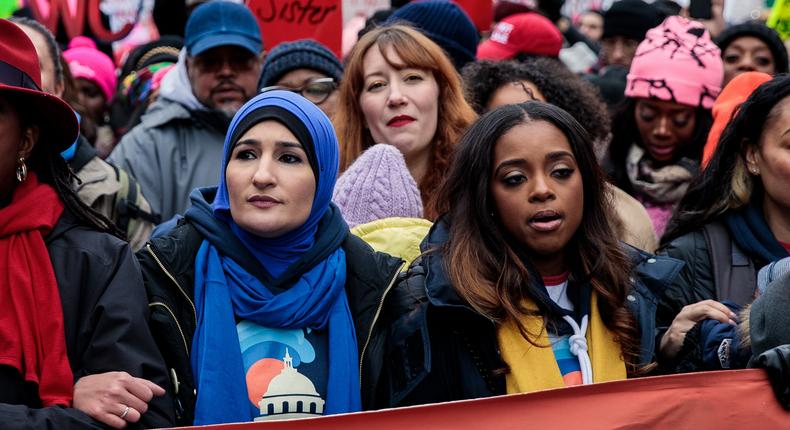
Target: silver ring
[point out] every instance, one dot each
(125, 412)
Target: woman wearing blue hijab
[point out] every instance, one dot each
(264, 306)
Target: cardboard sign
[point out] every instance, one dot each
(73, 14)
(734, 399)
(366, 8)
(780, 18)
(287, 20)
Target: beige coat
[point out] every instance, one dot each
(633, 225)
(99, 187)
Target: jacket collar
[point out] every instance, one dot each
(654, 271)
(163, 111)
(85, 153)
(437, 287)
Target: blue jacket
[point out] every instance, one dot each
(440, 349)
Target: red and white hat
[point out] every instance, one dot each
(522, 33)
(20, 75)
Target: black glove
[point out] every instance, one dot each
(776, 362)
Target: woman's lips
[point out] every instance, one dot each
(263, 202)
(545, 221)
(545, 226)
(400, 121)
(662, 150)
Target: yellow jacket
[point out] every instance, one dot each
(400, 237)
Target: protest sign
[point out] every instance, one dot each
(286, 20)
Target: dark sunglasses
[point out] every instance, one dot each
(316, 90)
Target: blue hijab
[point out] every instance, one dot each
(278, 253)
(224, 290)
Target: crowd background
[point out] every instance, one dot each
(196, 230)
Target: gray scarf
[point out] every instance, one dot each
(667, 184)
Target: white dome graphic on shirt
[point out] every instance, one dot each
(290, 395)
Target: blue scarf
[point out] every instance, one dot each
(752, 234)
(316, 299)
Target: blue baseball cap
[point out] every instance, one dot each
(222, 23)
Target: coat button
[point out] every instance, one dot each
(651, 260)
(631, 298)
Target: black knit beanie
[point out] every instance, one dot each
(301, 54)
(768, 35)
(446, 24)
(630, 19)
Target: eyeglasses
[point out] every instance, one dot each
(316, 90)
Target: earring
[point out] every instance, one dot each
(21, 170)
(754, 171)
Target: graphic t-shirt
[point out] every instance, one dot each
(286, 370)
(557, 287)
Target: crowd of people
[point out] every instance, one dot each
(211, 232)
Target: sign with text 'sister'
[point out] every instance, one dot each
(287, 20)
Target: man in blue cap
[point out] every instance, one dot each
(178, 144)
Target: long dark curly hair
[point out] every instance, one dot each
(558, 85)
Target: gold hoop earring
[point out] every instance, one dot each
(21, 170)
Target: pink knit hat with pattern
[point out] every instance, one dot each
(87, 62)
(677, 62)
(377, 185)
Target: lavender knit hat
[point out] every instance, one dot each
(377, 185)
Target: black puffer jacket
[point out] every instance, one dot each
(105, 320)
(439, 349)
(694, 283)
(168, 265)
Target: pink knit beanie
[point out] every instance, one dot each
(677, 62)
(377, 185)
(87, 62)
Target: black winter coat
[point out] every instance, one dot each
(168, 265)
(105, 319)
(694, 283)
(439, 349)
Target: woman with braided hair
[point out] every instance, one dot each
(76, 348)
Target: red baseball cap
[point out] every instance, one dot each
(522, 33)
(20, 75)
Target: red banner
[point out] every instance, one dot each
(735, 399)
(287, 20)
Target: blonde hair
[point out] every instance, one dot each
(454, 113)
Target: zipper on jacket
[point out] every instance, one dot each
(172, 278)
(178, 326)
(375, 318)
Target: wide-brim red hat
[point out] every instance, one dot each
(20, 76)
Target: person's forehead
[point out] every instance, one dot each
(748, 41)
(225, 50)
(299, 76)
(38, 42)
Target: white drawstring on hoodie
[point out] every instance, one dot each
(578, 346)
